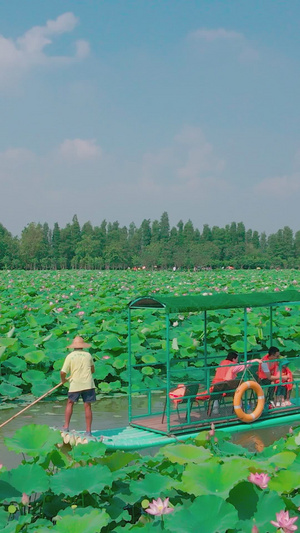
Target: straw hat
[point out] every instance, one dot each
(78, 342)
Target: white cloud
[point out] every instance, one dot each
(280, 186)
(28, 50)
(188, 170)
(82, 49)
(205, 37)
(80, 149)
(200, 158)
(215, 34)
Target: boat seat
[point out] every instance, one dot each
(183, 394)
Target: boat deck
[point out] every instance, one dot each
(199, 419)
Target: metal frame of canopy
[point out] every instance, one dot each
(199, 304)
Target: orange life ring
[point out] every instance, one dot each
(237, 401)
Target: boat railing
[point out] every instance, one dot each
(198, 406)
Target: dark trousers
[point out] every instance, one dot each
(270, 390)
(224, 386)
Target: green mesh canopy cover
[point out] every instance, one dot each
(194, 303)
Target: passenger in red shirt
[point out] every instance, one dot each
(222, 369)
(225, 379)
(268, 370)
(285, 385)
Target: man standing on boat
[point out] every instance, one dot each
(268, 371)
(80, 365)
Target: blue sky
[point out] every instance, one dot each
(121, 110)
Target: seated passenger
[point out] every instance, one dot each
(268, 370)
(283, 390)
(222, 369)
(225, 380)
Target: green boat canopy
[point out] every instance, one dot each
(194, 303)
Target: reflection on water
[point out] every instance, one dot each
(107, 413)
(257, 440)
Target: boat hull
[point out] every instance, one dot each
(136, 438)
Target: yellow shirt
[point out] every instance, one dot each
(78, 364)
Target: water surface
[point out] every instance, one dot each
(108, 413)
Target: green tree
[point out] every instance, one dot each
(145, 232)
(55, 246)
(155, 231)
(32, 245)
(164, 227)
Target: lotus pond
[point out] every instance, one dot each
(41, 312)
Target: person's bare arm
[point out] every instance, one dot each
(63, 377)
(93, 369)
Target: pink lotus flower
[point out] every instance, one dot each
(284, 522)
(105, 357)
(159, 507)
(212, 430)
(25, 499)
(254, 529)
(81, 313)
(261, 480)
(276, 289)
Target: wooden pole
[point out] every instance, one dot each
(31, 404)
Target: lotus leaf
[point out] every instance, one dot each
(116, 510)
(241, 493)
(12, 527)
(88, 451)
(101, 370)
(7, 341)
(207, 513)
(285, 481)
(119, 459)
(282, 460)
(238, 346)
(14, 380)
(33, 440)
(10, 391)
(120, 362)
(34, 356)
(213, 478)
(7, 491)
(269, 503)
(186, 453)
(152, 486)
(149, 359)
(147, 371)
(40, 526)
(32, 322)
(40, 387)
(115, 385)
(75, 481)
(28, 478)
(33, 375)
(3, 514)
(87, 520)
(16, 364)
(111, 343)
(104, 387)
(232, 331)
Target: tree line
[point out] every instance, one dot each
(152, 245)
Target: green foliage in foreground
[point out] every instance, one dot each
(91, 490)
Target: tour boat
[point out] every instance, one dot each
(179, 405)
